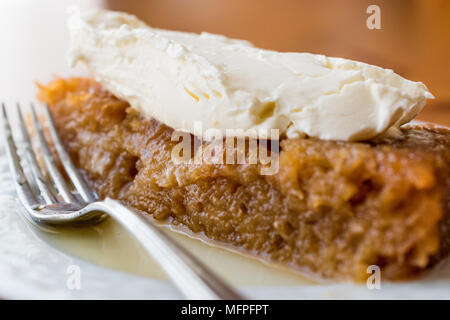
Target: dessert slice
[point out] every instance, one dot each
(332, 209)
(344, 188)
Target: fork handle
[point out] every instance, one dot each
(191, 277)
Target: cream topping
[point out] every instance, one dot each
(181, 78)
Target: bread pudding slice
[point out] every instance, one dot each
(333, 209)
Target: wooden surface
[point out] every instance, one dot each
(414, 39)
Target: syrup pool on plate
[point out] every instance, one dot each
(110, 246)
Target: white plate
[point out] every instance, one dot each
(39, 265)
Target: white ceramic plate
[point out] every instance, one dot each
(36, 264)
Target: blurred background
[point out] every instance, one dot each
(414, 39)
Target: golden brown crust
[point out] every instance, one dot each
(333, 208)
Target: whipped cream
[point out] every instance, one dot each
(181, 78)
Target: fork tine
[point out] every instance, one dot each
(80, 185)
(24, 192)
(41, 182)
(50, 162)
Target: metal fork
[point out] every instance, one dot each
(57, 204)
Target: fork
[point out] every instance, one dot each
(56, 203)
